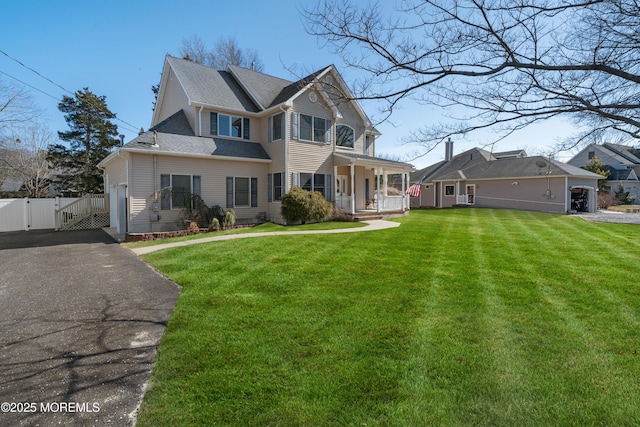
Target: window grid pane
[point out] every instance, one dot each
(242, 192)
(305, 127)
(319, 128)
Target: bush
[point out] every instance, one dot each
(300, 205)
(229, 219)
(214, 224)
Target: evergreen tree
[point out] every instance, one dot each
(91, 137)
(596, 166)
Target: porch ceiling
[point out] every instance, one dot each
(342, 159)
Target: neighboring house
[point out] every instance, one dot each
(509, 180)
(623, 163)
(241, 139)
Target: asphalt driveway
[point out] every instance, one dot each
(80, 321)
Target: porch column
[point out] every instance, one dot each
(352, 171)
(404, 196)
(378, 201)
(334, 185)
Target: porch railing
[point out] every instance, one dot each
(386, 203)
(90, 211)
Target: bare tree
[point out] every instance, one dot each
(24, 160)
(510, 63)
(225, 52)
(16, 107)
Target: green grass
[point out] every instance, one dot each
(455, 318)
(266, 227)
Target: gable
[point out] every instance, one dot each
(209, 87)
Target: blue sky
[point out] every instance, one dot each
(116, 48)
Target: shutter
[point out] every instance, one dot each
(254, 192)
(270, 188)
(165, 189)
(295, 129)
(270, 130)
(246, 128)
(328, 132)
(229, 191)
(327, 187)
(214, 123)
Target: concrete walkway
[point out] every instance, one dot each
(378, 224)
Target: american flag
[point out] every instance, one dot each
(414, 190)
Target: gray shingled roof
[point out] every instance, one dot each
(459, 162)
(629, 153)
(355, 156)
(205, 85)
(265, 88)
(177, 124)
(481, 164)
(160, 142)
(527, 167)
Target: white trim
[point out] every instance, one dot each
(197, 156)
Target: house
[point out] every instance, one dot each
(241, 139)
(623, 163)
(509, 180)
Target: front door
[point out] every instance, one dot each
(471, 192)
(342, 192)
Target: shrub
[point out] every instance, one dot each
(300, 205)
(623, 196)
(214, 224)
(229, 219)
(194, 227)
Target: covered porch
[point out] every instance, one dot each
(368, 186)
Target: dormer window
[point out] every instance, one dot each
(233, 126)
(344, 136)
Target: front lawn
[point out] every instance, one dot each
(457, 317)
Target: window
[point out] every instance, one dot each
(305, 127)
(275, 187)
(242, 192)
(224, 125)
(367, 145)
(319, 129)
(592, 154)
(449, 190)
(314, 129)
(276, 127)
(177, 189)
(344, 136)
(314, 182)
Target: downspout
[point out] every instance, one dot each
(200, 120)
(567, 196)
(286, 149)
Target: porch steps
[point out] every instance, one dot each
(370, 216)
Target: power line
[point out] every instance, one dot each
(34, 71)
(133, 128)
(32, 87)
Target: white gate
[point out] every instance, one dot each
(30, 214)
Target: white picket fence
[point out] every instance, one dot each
(31, 214)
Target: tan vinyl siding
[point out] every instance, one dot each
(116, 169)
(174, 100)
(140, 192)
(527, 194)
(352, 119)
(213, 175)
(307, 156)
